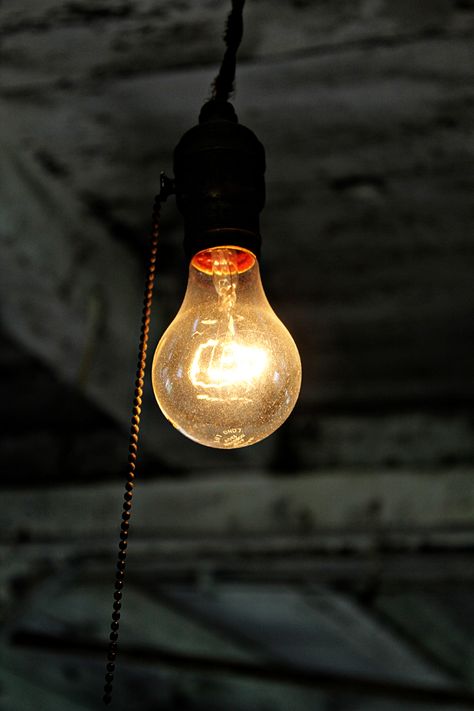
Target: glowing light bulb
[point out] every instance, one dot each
(226, 372)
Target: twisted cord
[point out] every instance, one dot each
(223, 84)
(132, 454)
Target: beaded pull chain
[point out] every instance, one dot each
(132, 451)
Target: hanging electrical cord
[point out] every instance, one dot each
(223, 84)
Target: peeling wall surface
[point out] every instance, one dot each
(329, 567)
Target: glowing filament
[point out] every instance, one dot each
(217, 365)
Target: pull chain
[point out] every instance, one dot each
(132, 450)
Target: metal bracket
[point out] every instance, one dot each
(167, 187)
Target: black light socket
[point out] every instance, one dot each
(219, 168)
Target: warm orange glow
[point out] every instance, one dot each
(241, 260)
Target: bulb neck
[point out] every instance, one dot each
(219, 168)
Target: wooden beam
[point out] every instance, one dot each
(435, 695)
(328, 526)
(254, 503)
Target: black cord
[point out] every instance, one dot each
(223, 84)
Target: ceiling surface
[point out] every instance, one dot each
(329, 567)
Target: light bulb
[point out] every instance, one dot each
(226, 372)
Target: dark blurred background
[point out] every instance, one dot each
(343, 544)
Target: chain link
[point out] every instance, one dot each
(132, 454)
